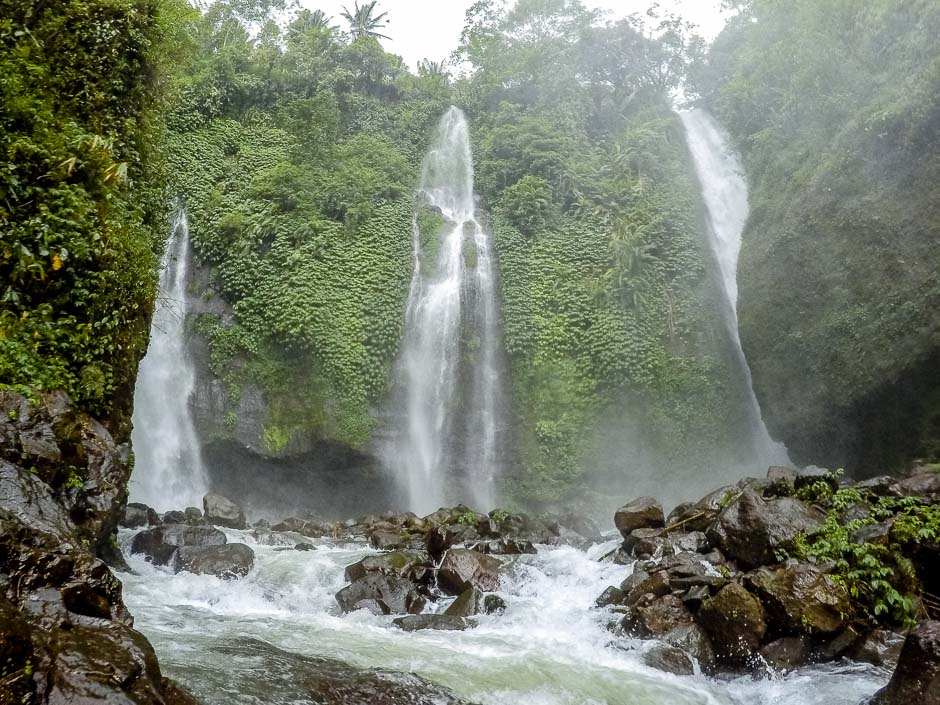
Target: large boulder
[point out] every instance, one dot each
(734, 621)
(222, 511)
(441, 622)
(413, 565)
(137, 515)
(462, 569)
(642, 513)
(232, 560)
(394, 595)
(916, 680)
(881, 647)
(799, 597)
(467, 604)
(159, 543)
(656, 616)
(750, 529)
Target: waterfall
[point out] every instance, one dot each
(168, 469)
(724, 192)
(446, 447)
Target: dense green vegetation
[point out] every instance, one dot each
(296, 153)
(833, 104)
(297, 150)
(606, 306)
(82, 209)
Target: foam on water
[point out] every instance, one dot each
(549, 648)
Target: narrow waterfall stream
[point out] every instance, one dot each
(168, 469)
(446, 450)
(549, 648)
(724, 192)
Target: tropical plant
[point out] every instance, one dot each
(363, 22)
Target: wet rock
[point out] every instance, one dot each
(655, 616)
(493, 604)
(290, 524)
(916, 680)
(924, 484)
(442, 622)
(323, 681)
(786, 654)
(467, 604)
(221, 511)
(390, 540)
(881, 647)
(640, 584)
(668, 658)
(836, 646)
(611, 596)
(799, 597)
(695, 596)
(137, 515)
(413, 565)
(687, 542)
(692, 640)
(193, 515)
(396, 595)
(703, 513)
(374, 606)
(174, 516)
(232, 560)
(443, 538)
(882, 486)
(159, 543)
(750, 529)
(462, 569)
(642, 513)
(879, 533)
(304, 547)
(504, 547)
(645, 541)
(266, 537)
(734, 621)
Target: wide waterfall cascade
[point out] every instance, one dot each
(168, 468)
(724, 191)
(446, 448)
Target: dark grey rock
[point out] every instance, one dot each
(734, 621)
(916, 680)
(881, 647)
(221, 511)
(462, 568)
(786, 654)
(396, 595)
(799, 597)
(233, 560)
(668, 658)
(442, 622)
(642, 513)
(159, 543)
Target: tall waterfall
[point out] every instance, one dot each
(446, 447)
(724, 192)
(168, 469)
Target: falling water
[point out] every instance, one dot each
(168, 470)
(446, 451)
(724, 191)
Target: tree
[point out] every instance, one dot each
(307, 20)
(363, 22)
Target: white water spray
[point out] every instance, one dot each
(724, 192)
(447, 449)
(168, 469)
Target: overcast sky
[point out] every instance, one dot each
(430, 29)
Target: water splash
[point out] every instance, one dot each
(168, 469)
(724, 192)
(446, 450)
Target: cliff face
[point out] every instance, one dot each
(839, 285)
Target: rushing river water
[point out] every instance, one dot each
(549, 648)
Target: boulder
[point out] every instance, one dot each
(442, 622)
(611, 596)
(137, 515)
(641, 583)
(800, 597)
(734, 621)
(193, 515)
(267, 537)
(693, 640)
(916, 680)
(232, 560)
(462, 569)
(174, 516)
(923, 484)
(668, 658)
(881, 647)
(442, 538)
(750, 530)
(642, 513)
(504, 547)
(413, 565)
(221, 511)
(467, 604)
(394, 594)
(654, 617)
(785, 654)
(159, 543)
(494, 604)
(304, 547)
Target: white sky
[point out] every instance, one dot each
(430, 29)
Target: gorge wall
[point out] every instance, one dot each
(832, 105)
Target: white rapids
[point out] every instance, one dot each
(549, 648)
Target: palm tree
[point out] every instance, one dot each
(433, 69)
(306, 20)
(362, 23)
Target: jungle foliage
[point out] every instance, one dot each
(833, 104)
(82, 205)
